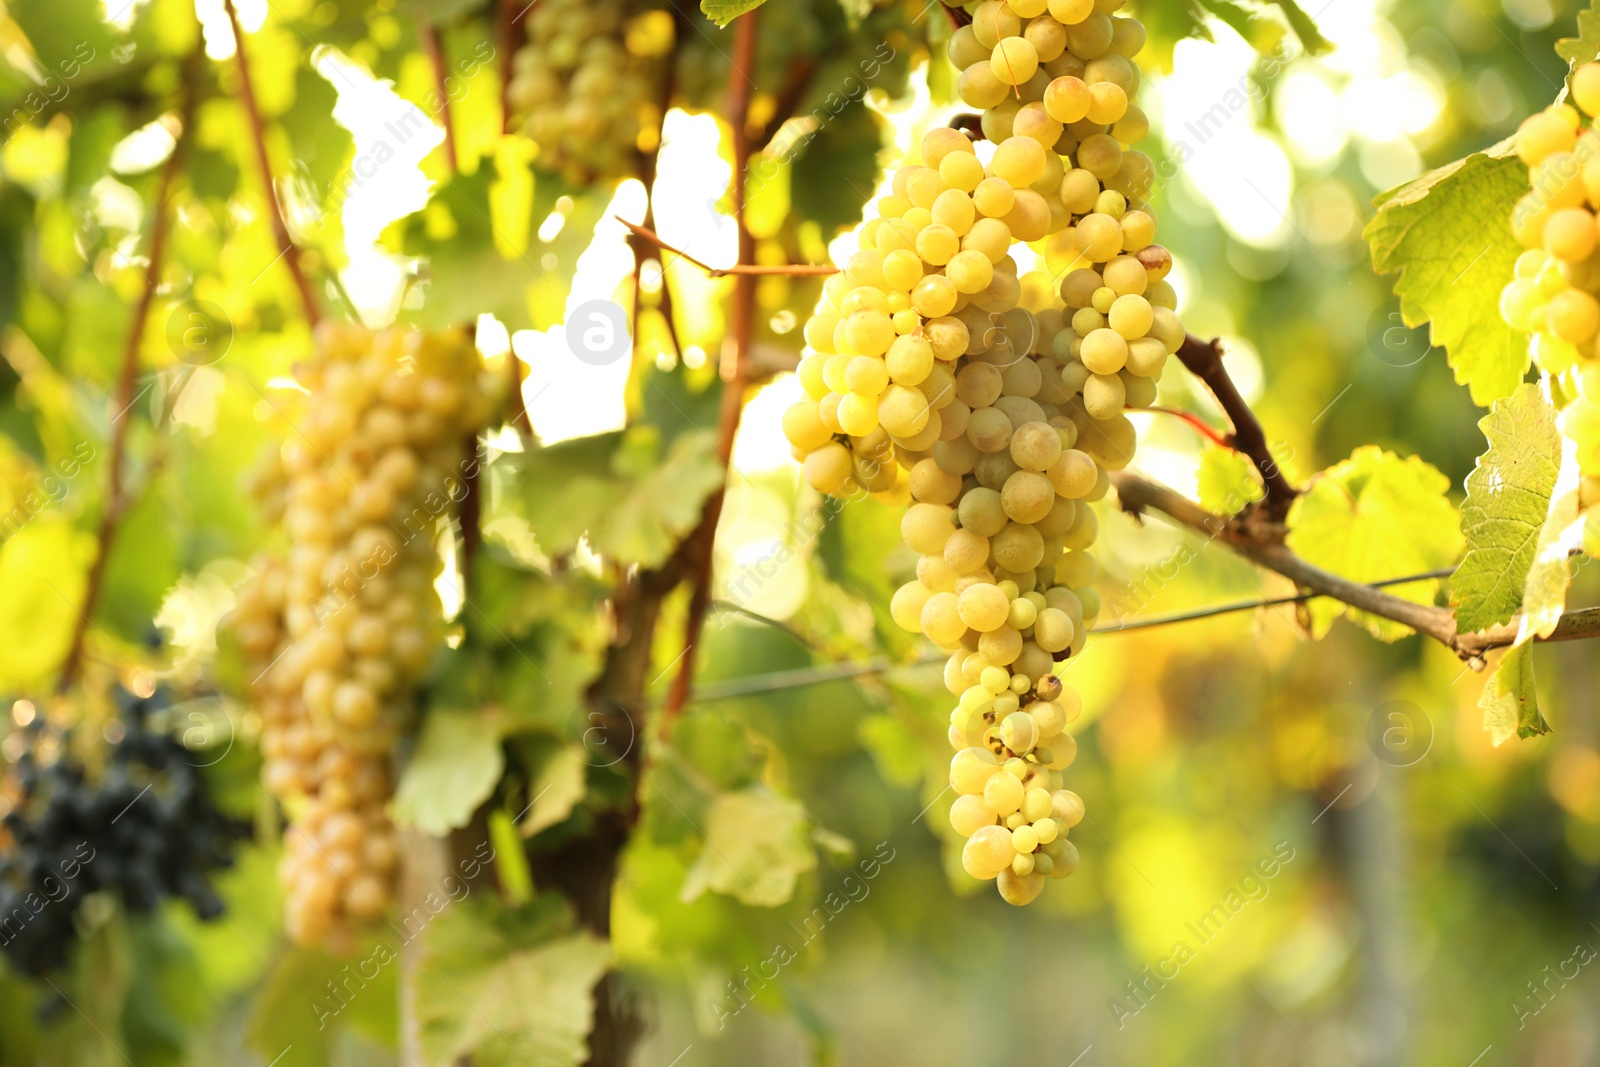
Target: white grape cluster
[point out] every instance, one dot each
(995, 402)
(340, 630)
(1555, 295)
(584, 87)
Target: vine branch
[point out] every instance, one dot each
(743, 267)
(287, 250)
(735, 372)
(128, 377)
(429, 32)
(1137, 495)
(1204, 360)
(507, 13)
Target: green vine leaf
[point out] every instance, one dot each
(1304, 27)
(1544, 591)
(632, 502)
(456, 765)
(1372, 517)
(1508, 497)
(507, 995)
(1586, 46)
(556, 786)
(1227, 481)
(757, 846)
(1448, 236)
(1510, 700)
(723, 12)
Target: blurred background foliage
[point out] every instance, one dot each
(1410, 905)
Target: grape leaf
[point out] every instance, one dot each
(1304, 27)
(1227, 481)
(1544, 591)
(633, 504)
(456, 766)
(836, 171)
(1510, 700)
(1586, 46)
(757, 846)
(283, 1023)
(557, 786)
(1508, 496)
(42, 570)
(723, 12)
(506, 995)
(1448, 235)
(1373, 517)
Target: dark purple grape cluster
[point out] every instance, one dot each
(139, 824)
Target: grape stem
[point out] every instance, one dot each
(507, 14)
(429, 33)
(1137, 495)
(128, 377)
(742, 268)
(1200, 425)
(696, 551)
(287, 250)
(1203, 359)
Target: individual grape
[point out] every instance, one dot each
(968, 815)
(988, 852)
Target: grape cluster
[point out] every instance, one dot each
(132, 817)
(995, 402)
(1555, 295)
(341, 629)
(584, 88)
